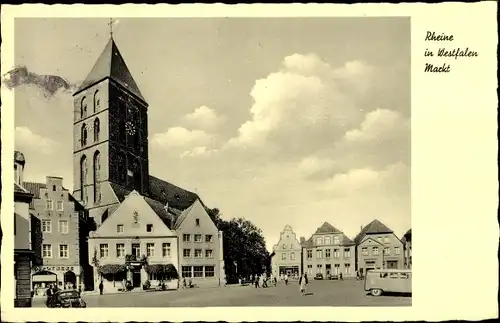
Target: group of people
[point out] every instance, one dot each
(52, 289)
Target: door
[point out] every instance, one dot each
(136, 278)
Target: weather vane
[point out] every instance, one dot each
(111, 21)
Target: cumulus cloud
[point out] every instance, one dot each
(198, 152)
(203, 118)
(305, 106)
(394, 178)
(314, 167)
(25, 139)
(179, 137)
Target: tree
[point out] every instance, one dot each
(244, 246)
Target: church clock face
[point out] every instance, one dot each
(130, 128)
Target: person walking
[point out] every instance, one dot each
(101, 287)
(256, 282)
(286, 279)
(303, 284)
(49, 296)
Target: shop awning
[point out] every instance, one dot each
(44, 278)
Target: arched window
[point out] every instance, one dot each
(83, 178)
(97, 129)
(97, 101)
(84, 135)
(97, 170)
(83, 108)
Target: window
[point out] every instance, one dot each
(309, 254)
(53, 188)
(336, 240)
(60, 206)
(97, 102)
(347, 253)
(49, 205)
(319, 240)
(47, 251)
(186, 237)
(198, 253)
(319, 268)
(197, 222)
(364, 251)
(186, 271)
(149, 228)
(208, 238)
(375, 251)
(186, 253)
(309, 269)
(63, 226)
(209, 253)
(97, 129)
(136, 250)
(397, 252)
(328, 253)
(283, 256)
(319, 254)
(120, 250)
(336, 269)
(209, 271)
(83, 135)
(104, 250)
(119, 228)
(197, 238)
(46, 226)
(166, 249)
(336, 253)
(386, 239)
(292, 255)
(83, 178)
(83, 108)
(387, 251)
(347, 269)
(63, 251)
(328, 240)
(198, 271)
(97, 176)
(150, 249)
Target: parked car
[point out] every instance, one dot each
(319, 276)
(68, 298)
(332, 277)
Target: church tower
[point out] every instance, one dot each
(110, 130)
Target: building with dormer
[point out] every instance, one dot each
(329, 252)
(377, 247)
(111, 160)
(287, 257)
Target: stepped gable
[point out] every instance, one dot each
(374, 227)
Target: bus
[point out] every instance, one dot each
(379, 281)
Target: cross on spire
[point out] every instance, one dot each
(110, 24)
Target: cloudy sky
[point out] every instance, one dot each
(281, 121)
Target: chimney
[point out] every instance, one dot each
(19, 163)
(302, 240)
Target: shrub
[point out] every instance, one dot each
(146, 285)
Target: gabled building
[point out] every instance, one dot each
(200, 246)
(136, 235)
(287, 257)
(23, 254)
(329, 252)
(111, 156)
(377, 247)
(406, 240)
(60, 227)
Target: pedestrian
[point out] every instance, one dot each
(303, 284)
(49, 296)
(340, 276)
(124, 285)
(101, 287)
(184, 285)
(262, 281)
(256, 282)
(286, 279)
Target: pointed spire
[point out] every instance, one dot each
(111, 64)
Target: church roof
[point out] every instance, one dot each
(374, 227)
(161, 194)
(111, 64)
